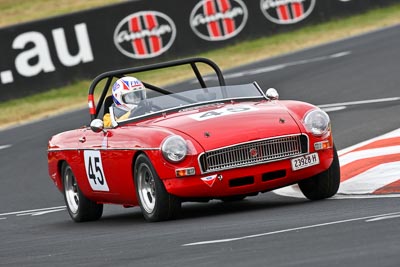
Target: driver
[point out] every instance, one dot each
(127, 92)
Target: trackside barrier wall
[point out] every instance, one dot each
(54, 52)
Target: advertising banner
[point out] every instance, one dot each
(55, 52)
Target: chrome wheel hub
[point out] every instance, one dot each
(71, 191)
(146, 189)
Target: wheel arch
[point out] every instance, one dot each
(61, 165)
(134, 158)
(58, 177)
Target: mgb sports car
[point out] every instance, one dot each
(194, 143)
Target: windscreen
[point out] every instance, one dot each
(205, 95)
(157, 102)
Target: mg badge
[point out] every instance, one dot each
(253, 153)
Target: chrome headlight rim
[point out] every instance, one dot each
(317, 122)
(174, 148)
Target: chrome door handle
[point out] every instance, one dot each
(82, 139)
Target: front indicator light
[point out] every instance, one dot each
(323, 145)
(185, 172)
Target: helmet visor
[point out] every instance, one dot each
(133, 97)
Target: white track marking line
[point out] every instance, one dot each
(35, 210)
(40, 212)
(4, 146)
(344, 196)
(340, 54)
(361, 102)
(208, 242)
(344, 105)
(284, 65)
(333, 109)
(387, 217)
(250, 72)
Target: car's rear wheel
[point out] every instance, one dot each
(79, 207)
(325, 184)
(154, 200)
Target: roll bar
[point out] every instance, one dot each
(94, 111)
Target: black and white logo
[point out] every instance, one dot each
(145, 34)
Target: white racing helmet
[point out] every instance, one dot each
(128, 92)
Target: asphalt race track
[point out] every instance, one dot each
(268, 230)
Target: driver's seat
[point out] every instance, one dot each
(107, 104)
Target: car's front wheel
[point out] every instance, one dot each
(80, 208)
(325, 184)
(154, 200)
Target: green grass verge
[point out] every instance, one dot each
(75, 95)
(14, 12)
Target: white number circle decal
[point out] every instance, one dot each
(94, 171)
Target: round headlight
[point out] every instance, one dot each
(317, 122)
(174, 148)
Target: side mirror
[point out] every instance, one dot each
(272, 94)
(97, 125)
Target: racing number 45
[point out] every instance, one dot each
(95, 171)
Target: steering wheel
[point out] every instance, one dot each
(144, 107)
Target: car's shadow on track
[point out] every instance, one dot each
(270, 204)
(211, 209)
(251, 204)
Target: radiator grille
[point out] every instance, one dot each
(253, 153)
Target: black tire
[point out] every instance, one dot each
(80, 208)
(154, 200)
(325, 184)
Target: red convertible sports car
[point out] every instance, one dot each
(222, 142)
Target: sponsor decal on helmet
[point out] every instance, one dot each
(217, 20)
(145, 34)
(287, 11)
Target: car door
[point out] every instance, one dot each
(108, 165)
(93, 152)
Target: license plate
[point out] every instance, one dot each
(305, 161)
